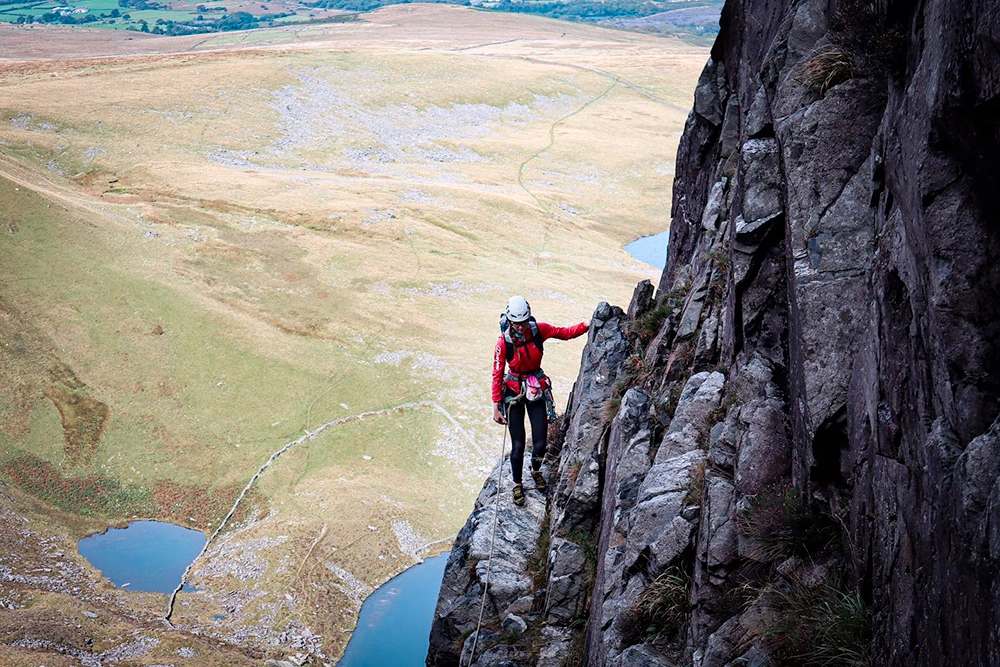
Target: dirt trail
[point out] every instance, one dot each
(625, 83)
(15, 171)
(552, 141)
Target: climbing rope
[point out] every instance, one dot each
(489, 559)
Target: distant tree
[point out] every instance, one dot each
(201, 9)
(237, 21)
(350, 5)
(127, 17)
(144, 27)
(140, 4)
(115, 13)
(21, 20)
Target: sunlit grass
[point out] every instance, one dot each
(230, 249)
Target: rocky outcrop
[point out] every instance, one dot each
(854, 189)
(791, 449)
(509, 566)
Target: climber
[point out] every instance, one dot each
(525, 386)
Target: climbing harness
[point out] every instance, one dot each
(531, 386)
(489, 559)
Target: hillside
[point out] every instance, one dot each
(215, 246)
(696, 21)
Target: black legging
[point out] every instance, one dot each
(539, 430)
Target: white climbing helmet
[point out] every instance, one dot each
(518, 309)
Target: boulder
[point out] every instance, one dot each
(478, 561)
(642, 300)
(566, 589)
(575, 499)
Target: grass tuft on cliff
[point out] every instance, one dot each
(826, 68)
(662, 609)
(781, 524)
(819, 626)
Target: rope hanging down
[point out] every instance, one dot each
(489, 559)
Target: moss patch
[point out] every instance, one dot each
(83, 420)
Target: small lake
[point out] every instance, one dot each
(144, 556)
(395, 623)
(650, 250)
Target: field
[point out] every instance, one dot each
(213, 245)
(160, 17)
(695, 21)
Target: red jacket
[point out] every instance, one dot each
(527, 357)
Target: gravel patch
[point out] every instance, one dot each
(299, 637)
(377, 215)
(127, 651)
(27, 121)
(230, 158)
(131, 650)
(313, 109)
(409, 540)
(420, 197)
(391, 358)
(239, 559)
(453, 446)
(453, 290)
(349, 585)
(60, 576)
(233, 602)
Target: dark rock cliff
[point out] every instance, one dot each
(790, 453)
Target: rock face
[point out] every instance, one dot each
(574, 512)
(817, 408)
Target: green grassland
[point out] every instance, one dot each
(207, 255)
(171, 18)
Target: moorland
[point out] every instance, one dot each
(214, 246)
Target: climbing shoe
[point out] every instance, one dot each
(539, 480)
(518, 496)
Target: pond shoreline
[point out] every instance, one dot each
(650, 249)
(394, 622)
(144, 556)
